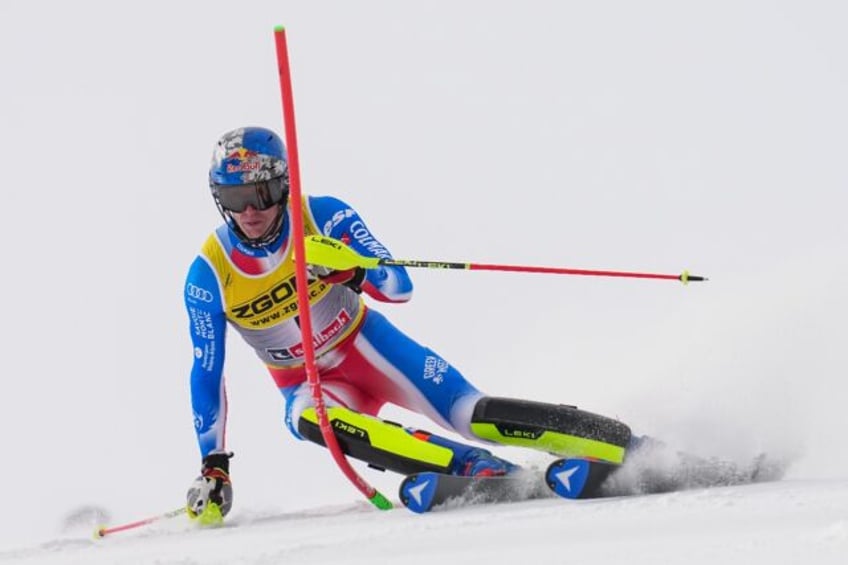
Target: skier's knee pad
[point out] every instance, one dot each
(381, 444)
(555, 428)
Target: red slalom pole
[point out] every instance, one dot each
(297, 235)
(103, 531)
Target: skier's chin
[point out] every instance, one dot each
(254, 230)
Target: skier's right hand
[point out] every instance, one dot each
(351, 278)
(210, 496)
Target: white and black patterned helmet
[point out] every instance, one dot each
(250, 168)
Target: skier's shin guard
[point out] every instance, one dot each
(555, 428)
(381, 444)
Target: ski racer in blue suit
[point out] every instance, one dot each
(244, 279)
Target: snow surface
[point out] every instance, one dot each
(650, 136)
(786, 522)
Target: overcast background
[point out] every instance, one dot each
(651, 136)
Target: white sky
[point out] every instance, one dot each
(650, 136)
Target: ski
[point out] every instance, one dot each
(567, 478)
(578, 478)
(575, 478)
(654, 473)
(422, 492)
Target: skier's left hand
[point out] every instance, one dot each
(210, 496)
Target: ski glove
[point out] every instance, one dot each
(351, 278)
(210, 496)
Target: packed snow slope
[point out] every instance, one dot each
(791, 522)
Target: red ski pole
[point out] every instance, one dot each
(332, 253)
(330, 440)
(103, 531)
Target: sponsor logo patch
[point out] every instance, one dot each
(435, 369)
(325, 335)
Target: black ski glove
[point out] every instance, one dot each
(351, 278)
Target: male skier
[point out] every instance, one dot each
(244, 277)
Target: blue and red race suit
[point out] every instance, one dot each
(362, 359)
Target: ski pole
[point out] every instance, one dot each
(373, 495)
(333, 254)
(103, 531)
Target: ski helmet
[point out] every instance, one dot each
(250, 168)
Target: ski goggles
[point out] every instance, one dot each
(261, 194)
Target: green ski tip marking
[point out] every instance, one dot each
(279, 28)
(381, 501)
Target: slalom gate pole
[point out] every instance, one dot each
(297, 233)
(103, 531)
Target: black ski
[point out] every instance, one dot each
(654, 473)
(645, 472)
(421, 492)
(578, 478)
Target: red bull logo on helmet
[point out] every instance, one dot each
(243, 161)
